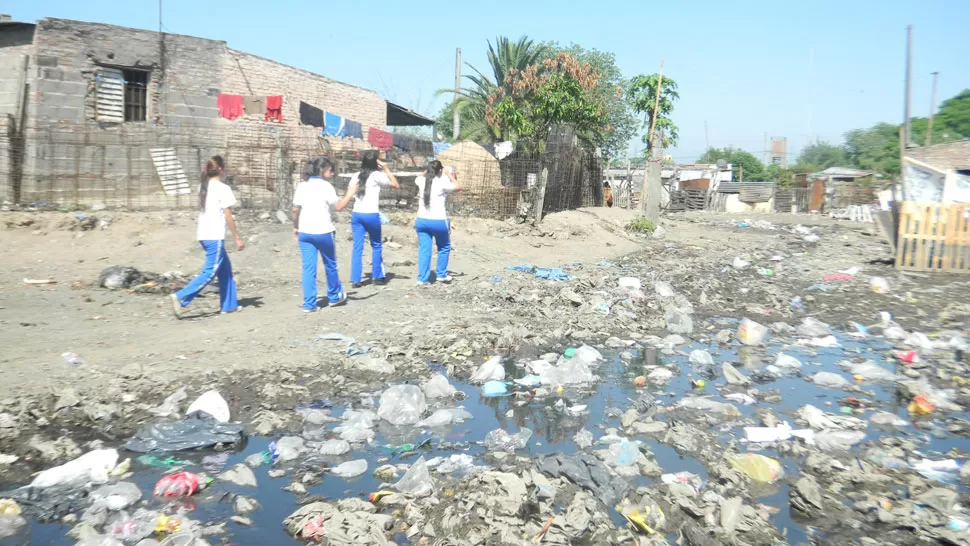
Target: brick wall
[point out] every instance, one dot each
(73, 159)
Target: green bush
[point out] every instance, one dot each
(641, 225)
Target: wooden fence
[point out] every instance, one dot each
(934, 237)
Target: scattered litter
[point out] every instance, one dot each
(214, 404)
(751, 333)
(491, 370)
(417, 480)
(500, 440)
(402, 405)
(350, 469)
(177, 485)
(757, 467)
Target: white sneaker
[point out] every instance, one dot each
(446, 279)
(176, 306)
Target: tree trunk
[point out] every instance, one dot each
(650, 192)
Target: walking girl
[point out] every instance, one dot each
(365, 186)
(215, 202)
(432, 222)
(314, 230)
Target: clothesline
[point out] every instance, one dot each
(399, 173)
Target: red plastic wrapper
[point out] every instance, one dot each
(177, 485)
(909, 357)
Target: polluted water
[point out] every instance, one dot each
(673, 418)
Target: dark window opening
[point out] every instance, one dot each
(136, 95)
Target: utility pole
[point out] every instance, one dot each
(929, 126)
(456, 128)
(909, 71)
(650, 193)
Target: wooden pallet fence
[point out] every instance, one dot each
(934, 237)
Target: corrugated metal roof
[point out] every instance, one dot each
(843, 172)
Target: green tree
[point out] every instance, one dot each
(750, 167)
(874, 149)
(822, 155)
(621, 123)
(503, 57)
(557, 91)
(954, 116)
(642, 94)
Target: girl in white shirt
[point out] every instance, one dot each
(365, 186)
(432, 222)
(215, 202)
(314, 230)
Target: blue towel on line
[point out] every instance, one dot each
(333, 125)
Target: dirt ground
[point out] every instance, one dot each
(135, 352)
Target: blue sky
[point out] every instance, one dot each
(803, 70)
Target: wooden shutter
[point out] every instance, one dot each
(170, 171)
(110, 90)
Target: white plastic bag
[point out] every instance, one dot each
(679, 322)
(787, 362)
(702, 358)
(350, 469)
(491, 370)
(334, 447)
(417, 480)
(290, 448)
(214, 404)
(869, 371)
(588, 355)
(664, 290)
(830, 380)
(812, 327)
(660, 376)
(438, 387)
(403, 404)
(629, 283)
(880, 285)
(170, 406)
(445, 417)
(838, 440)
(92, 467)
(751, 333)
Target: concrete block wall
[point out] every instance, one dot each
(71, 158)
(15, 48)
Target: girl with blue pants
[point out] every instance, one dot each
(314, 231)
(432, 222)
(365, 221)
(215, 202)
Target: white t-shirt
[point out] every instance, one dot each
(440, 186)
(315, 196)
(370, 202)
(212, 220)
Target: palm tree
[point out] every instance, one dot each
(504, 56)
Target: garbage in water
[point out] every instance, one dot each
(491, 370)
(495, 388)
(751, 333)
(402, 405)
(195, 431)
(177, 485)
(757, 467)
(213, 403)
(500, 440)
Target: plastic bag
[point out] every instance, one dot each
(700, 357)
(660, 376)
(177, 485)
(195, 431)
(629, 283)
(812, 327)
(588, 355)
(732, 375)
(92, 467)
(740, 263)
(334, 447)
(921, 405)
(444, 417)
(623, 453)
(417, 480)
(664, 290)
(495, 388)
(115, 496)
(838, 440)
(679, 322)
(787, 362)
(708, 405)
(757, 467)
(880, 285)
(170, 406)
(886, 419)
(11, 524)
(500, 440)
(289, 448)
(751, 333)
(870, 371)
(830, 380)
(693, 481)
(350, 469)
(491, 370)
(402, 405)
(213, 403)
(823, 342)
(438, 387)
(647, 518)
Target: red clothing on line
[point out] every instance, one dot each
(382, 140)
(230, 106)
(274, 108)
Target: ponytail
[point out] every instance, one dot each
(432, 171)
(213, 168)
(315, 167)
(368, 166)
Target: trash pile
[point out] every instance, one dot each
(615, 408)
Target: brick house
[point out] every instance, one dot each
(95, 113)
